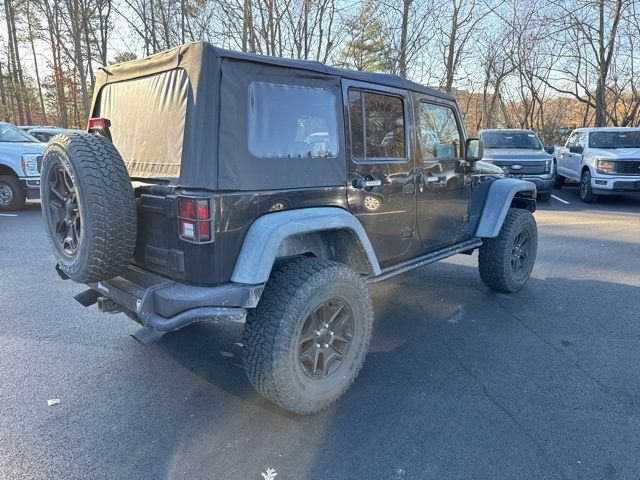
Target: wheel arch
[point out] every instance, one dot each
(7, 170)
(325, 232)
(503, 194)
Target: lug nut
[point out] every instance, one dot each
(326, 345)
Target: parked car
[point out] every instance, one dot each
(521, 154)
(20, 157)
(604, 161)
(247, 218)
(44, 134)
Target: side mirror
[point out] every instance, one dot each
(474, 150)
(576, 149)
(550, 149)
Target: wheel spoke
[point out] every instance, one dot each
(335, 314)
(316, 360)
(57, 194)
(331, 358)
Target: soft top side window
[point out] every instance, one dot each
(291, 121)
(377, 125)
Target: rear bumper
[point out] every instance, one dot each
(165, 305)
(31, 187)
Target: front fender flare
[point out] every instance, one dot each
(497, 204)
(261, 244)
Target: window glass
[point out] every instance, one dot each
(11, 134)
(380, 134)
(289, 121)
(509, 140)
(581, 141)
(439, 134)
(572, 139)
(612, 139)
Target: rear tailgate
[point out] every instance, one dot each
(158, 246)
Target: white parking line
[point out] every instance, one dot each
(8, 215)
(560, 200)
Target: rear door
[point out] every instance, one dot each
(443, 186)
(380, 174)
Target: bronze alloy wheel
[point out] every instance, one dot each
(325, 338)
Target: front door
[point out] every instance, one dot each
(443, 186)
(570, 161)
(381, 181)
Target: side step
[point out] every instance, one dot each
(423, 260)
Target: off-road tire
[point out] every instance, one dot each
(106, 206)
(544, 196)
(558, 182)
(496, 254)
(586, 192)
(18, 197)
(273, 330)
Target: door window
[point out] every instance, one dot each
(581, 141)
(439, 134)
(572, 139)
(377, 126)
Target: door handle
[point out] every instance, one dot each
(367, 183)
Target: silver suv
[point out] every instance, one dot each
(521, 155)
(604, 160)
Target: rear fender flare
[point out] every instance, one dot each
(497, 203)
(264, 239)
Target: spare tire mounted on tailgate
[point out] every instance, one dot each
(88, 205)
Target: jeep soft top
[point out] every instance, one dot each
(217, 185)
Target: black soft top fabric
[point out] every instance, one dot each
(214, 153)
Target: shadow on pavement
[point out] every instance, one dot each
(460, 382)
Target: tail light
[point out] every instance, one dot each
(194, 219)
(100, 126)
(98, 123)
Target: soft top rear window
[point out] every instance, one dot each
(147, 117)
(291, 121)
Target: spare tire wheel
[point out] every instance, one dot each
(88, 205)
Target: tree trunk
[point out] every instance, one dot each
(402, 57)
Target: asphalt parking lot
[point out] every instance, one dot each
(460, 382)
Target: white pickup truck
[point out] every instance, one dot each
(603, 160)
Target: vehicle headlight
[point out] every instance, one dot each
(604, 166)
(30, 164)
(547, 166)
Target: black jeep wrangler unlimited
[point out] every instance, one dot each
(221, 185)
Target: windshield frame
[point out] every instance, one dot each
(24, 136)
(613, 141)
(504, 133)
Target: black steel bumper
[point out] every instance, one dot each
(165, 305)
